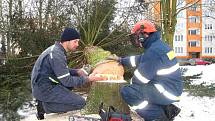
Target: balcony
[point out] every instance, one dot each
(194, 13)
(194, 46)
(194, 25)
(194, 49)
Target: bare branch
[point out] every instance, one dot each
(190, 4)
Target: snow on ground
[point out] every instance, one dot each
(208, 73)
(61, 117)
(192, 108)
(198, 108)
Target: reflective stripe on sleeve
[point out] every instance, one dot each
(132, 61)
(161, 89)
(53, 80)
(168, 70)
(140, 106)
(51, 51)
(140, 77)
(65, 75)
(131, 81)
(51, 55)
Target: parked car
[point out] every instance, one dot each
(212, 60)
(199, 61)
(185, 62)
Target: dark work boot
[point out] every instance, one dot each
(102, 112)
(40, 110)
(171, 111)
(163, 117)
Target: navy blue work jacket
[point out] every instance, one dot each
(51, 76)
(157, 65)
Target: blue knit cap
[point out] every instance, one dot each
(69, 34)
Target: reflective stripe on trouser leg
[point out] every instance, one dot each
(53, 80)
(167, 94)
(140, 106)
(152, 112)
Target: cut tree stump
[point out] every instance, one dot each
(107, 91)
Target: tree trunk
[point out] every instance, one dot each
(40, 10)
(169, 20)
(108, 93)
(9, 28)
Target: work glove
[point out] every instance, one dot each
(113, 57)
(94, 77)
(85, 70)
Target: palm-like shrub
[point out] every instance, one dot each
(94, 19)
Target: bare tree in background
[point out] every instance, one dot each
(164, 13)
(209, 9)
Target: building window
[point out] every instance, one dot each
(210, 2)
(194, 7)
(209, 38)
(178, 50)
(208, 49)
(194, 31)
(180, 15)
(208, 26)
(180, 26)
(178, 37)
(180, 2)
(181, 37)
(207, 13)
(194, 19)
(194, 43)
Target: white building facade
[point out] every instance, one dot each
(195, 30)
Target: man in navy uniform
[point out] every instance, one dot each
(157, 81)
(51, 78)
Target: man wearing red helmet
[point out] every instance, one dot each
(157, 81)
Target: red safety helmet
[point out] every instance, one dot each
(145, 25)
(137, 33)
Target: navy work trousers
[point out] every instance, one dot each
(51, 107)
(134, 94)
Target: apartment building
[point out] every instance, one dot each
(195, 31)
